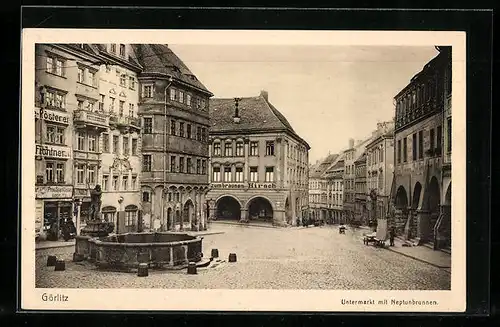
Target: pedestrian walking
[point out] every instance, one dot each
(392, 234)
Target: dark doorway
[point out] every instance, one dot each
(416, 195)
(228, 208)
(401, 199)
(434, 202)
(187, 215)
(260, 209)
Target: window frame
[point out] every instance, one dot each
(147, 162)
(216, 174)
(147, 125)
(270, 150)
(254, 145)
(269, 175)
(254, 175)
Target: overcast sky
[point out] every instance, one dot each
(328, 93)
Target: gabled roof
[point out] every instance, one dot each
(320, 169)
(160, 59)
(338, 165)
(256, 115)
(361, 159)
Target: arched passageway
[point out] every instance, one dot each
(401, 199)
(416, 195)
(228, 208)
(187, 212)
(433, 203)
(447, 198)
(260, 208)
(169, 220)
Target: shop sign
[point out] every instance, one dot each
(229, 185)
(53, 116)
(53, 151)
(261, 185)
(243, 185)
(54, 191)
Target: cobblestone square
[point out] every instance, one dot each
(267, 258)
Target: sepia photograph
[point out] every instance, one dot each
(287, 166)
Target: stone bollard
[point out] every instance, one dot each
(232, 257)
(77, 257)
(215, 253)
(143, 257)
(60, 265)
(93, 255)
(191, 270)
(51, 260)
(142, 271)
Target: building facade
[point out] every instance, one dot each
(360, 190)
(319, 191)
(87, 137)
(351, 154)
(380, 170)
(258, 164)
(421, 183)
(56, 87)
(335, 190)
(120, 143)
(173, 106)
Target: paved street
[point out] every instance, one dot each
(270, 258)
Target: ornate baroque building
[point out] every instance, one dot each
(173, 106)
(120, 143)
(259, 165)
(422, 183)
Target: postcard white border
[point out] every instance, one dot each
(453, 300)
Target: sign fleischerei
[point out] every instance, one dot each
(54, 191)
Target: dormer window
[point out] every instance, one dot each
(122, 50)
(113, 48)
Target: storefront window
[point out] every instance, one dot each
(130, 215)
(109, 214)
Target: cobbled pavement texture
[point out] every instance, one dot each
(267, 258)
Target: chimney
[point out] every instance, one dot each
(265, 95)
(351, 143)
(236, 117)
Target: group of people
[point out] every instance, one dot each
(67, 229)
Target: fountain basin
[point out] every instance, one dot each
(128, 250)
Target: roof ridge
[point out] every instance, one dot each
(268, 105)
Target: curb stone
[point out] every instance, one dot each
(418, 259)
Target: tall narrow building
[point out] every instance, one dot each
(421, 191)
(173, 106)
(120, 142)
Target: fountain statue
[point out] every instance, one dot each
(95, 226)
(95, 204)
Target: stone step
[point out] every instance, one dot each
(430, 245)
